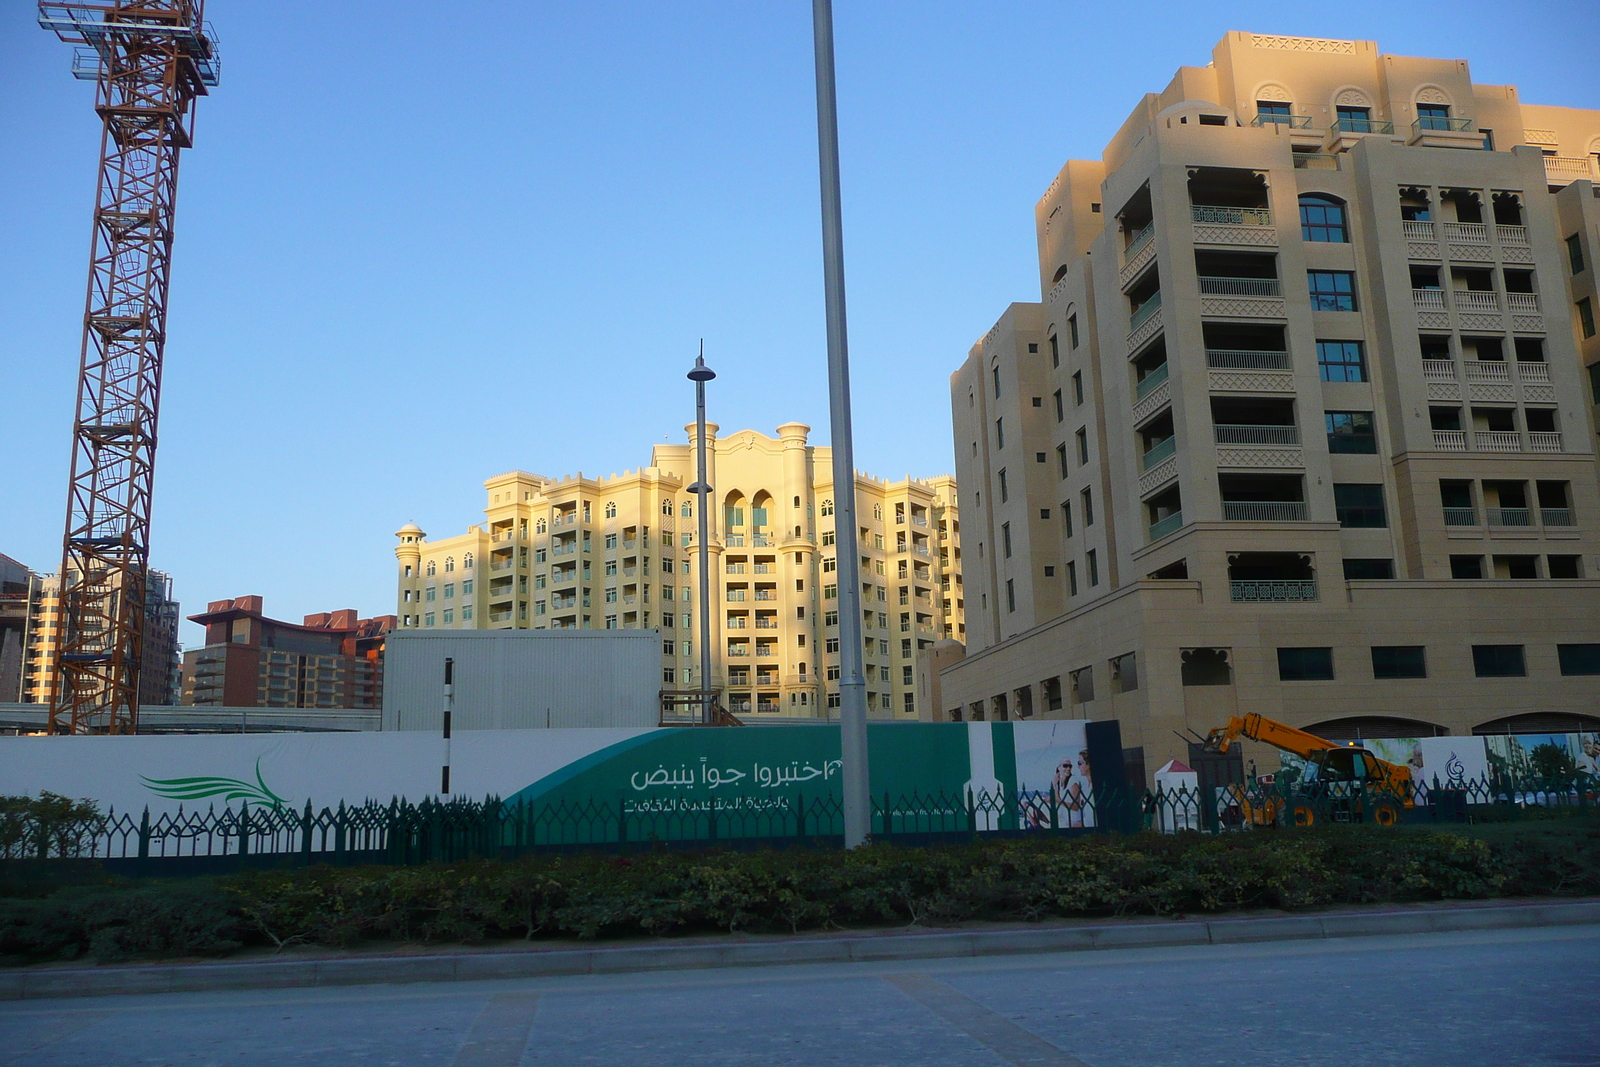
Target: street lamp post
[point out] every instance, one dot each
(700, 374)
(852, 685)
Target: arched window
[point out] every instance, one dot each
(877, 512)
(1322, 219)
(538, 527)
(687, 510)
(611, 509)
(432, 568)
(827, 507)
(666, 508)
(466, 562)
(449, 564)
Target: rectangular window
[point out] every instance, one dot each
(1055, 351)
(1005, 494)
(1466, 566)
(1088, 507)
(466, 613)
(1077, 388)
(1011, 595)
(1579, 659)
(1083, 446)
(1061, 460)
(830, 618)
(1066, 516)
(1061, 412)
(1072, 330)
(1586, 317)
(1358, 569)
(1351, 432)
(1072, 579)
(831, 645)
(1575, 252)
(1341, 361)
(1498, 661)
(1359, 506)
(1332, 290)
(449, 616)
(1093, 563)
(1005, 538)
(1399, 661)
(1305, 664)
(999, 433)
(996, 372)
(830, 592)
(427, 618)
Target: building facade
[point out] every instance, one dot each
(620, 552)
(331, 660)
(37, 610)
(1301, 424)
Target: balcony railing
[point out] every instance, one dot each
(1257, 435)
(1428, 299)
(1450, 440)
(1145, 310)
(1149, 382)
(1140, 239)
(1360, 125)
(1487, 370)
(1557, 517)
(1294, 122)
(1240, 287)
(1512, 235)
(1508, 516)
(1418, 231)
(766, 624)
(1296, 589)
(1315, 161)
(1159, 452)
(1544, 441)
(1442, 122)
(1466, 233)
(736, 595)
(1568, 168)
(505, 566)
(1231, 216)
(1534, 372)
(735, 624)
(733, 540)
(739, 650)
(1461, 516)
(1497, 441)
(1245, 359)
(766, 594)
(499, 616)
(764, 568)
(1264, 510)
(1439, 370)
(1527, 303)
(1476, 300)
(1168, 525)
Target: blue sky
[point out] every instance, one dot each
(420, 244)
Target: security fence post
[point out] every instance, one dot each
(244, 828)
(800, 815)
(305, 835)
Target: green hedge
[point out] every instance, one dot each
(672, 892)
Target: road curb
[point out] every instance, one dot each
(41, 983)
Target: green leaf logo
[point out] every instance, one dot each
(226, 788)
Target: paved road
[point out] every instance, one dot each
(1520, 998)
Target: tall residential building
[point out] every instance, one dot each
(159, 657)
(17, 584)
(331, 660)
(620, 552)
(1300, 426)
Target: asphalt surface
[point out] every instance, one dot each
(1508, 997)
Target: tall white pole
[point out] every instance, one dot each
(700, 374)
(852, 684)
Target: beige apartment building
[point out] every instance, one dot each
(1302, 424)
(620, 553)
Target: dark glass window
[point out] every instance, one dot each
(1305, 664)
(1354, 119)
(1466, 566)
(1579, 659)
(1399, 661)
(1433, 117)
(1575, 252)
(1272, 111)
(1498, 661)
(1586, 317)
(1341, 361)
(1368, 568)
(1332, 290)
(1322, 219)
(1359, 506)
(1351, 432)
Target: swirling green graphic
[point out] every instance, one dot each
(226, 788)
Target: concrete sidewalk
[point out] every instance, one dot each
(537, 959)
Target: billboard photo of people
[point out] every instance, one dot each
(1053, 772)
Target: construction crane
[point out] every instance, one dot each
(150, 60)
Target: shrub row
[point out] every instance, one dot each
(673, 892)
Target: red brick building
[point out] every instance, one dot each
(332, 660)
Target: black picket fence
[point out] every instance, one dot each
(435, 830)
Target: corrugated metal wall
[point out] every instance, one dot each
(523, 679)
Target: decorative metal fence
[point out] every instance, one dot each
(434, 830)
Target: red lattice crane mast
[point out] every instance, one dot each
(150, 60)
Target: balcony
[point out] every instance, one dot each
(1477, 301)
(1294, 122)
(1450, 440)
(1241, 297)
(1438, 370)
(499, 616)
(1523, 303)
(1497, 441)
(736, 596)
(1461, 516)
(735, 623)
(1142, 314)
(1171, 524)
(1257, 435)
(733, 540)
(1231, 216)
(919, 548)
(1534, 372)
(1240, 287)
(1242, 359)
(1364, 125)
(1557, 517)
(1255, 592)
(738, 651)
(1140, 251)
(501, 566)
(765, 568)
(1562, 170)
(1145, 322)
(1508, 516)
(766, 624)
(1158, 452)
(1487, 370)
(765, 594)
(1428, 299)
(1512, 236)
(1420, 231)
(1544, 441)
(1264, 510)
(1149, 382)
